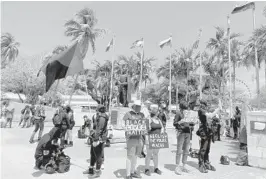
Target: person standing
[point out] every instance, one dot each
(183, 138)
(162, 114)
(26, 116)
(9, 110)
(134, 143)
(206, 136)
(236, 122)
(39, 117)
(71, 125)
(98, 137)
(155, 126)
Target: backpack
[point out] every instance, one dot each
(225, 160)
(23, 110)
(57, 119)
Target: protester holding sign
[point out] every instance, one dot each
(181, 123)
(206, 136)
(135, 128)
(155, 126)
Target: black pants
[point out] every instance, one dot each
(219, 131)
(97, 156)
(205, 145)
(235, 131)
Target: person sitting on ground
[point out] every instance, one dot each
(155, 126)
(45, 145)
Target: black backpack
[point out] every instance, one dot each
(225, 160)
(57, 119)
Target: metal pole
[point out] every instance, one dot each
(71, 95)
(200, 87)
(229, 60)
(170, 80)
(256, 61)
(141, 71)
(112, 74)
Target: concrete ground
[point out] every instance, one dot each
(17, 159)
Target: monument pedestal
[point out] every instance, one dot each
(256, 138)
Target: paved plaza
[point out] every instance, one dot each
(17, 159)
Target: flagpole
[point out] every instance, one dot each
(141, 71)
(112, 74)
(71, 95)
(256, 60)
(170, 80)
(229, 60)
(200, 87)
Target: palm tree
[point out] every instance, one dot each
(259, 35)
(83, 28)
(147, 68)
(220, 48)
(236, 58)
(9, 49)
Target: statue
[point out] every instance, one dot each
(123, 89)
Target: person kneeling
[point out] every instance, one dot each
(49, 156)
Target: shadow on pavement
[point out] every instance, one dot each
(120, 173)
(38, 173)
(170, 167)
(193, 164)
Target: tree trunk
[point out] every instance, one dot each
(176, 97)
(20, 98)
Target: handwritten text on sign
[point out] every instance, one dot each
(136, 127)
(190, 116)
(158, 141)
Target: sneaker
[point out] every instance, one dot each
(97, 174)
(202, 169)
(147, 172)
(178, 170)
(102, 167)
(135, 175)
(210, 167)
(159, 172)
(89, 171)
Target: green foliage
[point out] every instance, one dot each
(9, 49)
(20, 77)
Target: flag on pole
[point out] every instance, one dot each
(138, 43)
(247, 6)
(166, 42)
(68, 62)
(111, 43)
(196, 44)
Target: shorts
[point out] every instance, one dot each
(134, 147)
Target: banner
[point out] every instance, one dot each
(158, 141)
(136, 127)
(190, 116)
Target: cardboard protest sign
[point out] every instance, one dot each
(158, 141)
(190, 116)
(136, 127)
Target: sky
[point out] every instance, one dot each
(39, 26)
